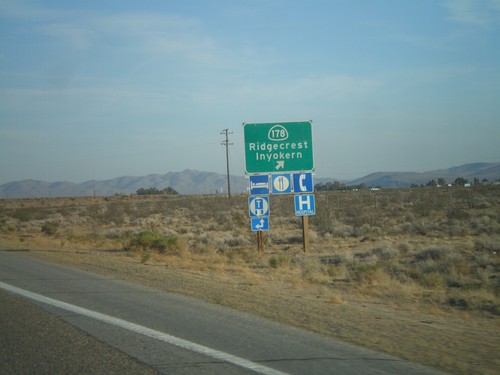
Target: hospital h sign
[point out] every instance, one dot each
(305, 205)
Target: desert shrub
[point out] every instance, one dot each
(474, 300)
(239, 218)
(314, 270)
(325, 220)
(485, 243)
(223, 219)
(457, 228)
(403, 248)
(183, 230)
(485, 224)
(202, 245)
(415, 228)
(482, 204)
(338, 272)
(458, 263)
(204, 238)
(146, 256)
(357, 216)
(295, 239)
(116, 213)
(338, 229)
(313, 236)
(423, 208)
(211, 227)
(365, 273)
(433, 279)
(398, 271)
(280, 260)
(457, 214)
(165, 243)
(223, 243)
(434, 253)
(238, 255)
(26, 214)
(346, 258)
(458, 302)
(364, 230)
(50, 228)
(384, 252)
(4, 224)
(152, 240)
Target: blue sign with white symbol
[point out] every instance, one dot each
(258, 206)
(260, 223)
(303, 183)
(259, 184)
(281, 183)
(304, 205)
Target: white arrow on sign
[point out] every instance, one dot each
(260, 225)
(280, 164)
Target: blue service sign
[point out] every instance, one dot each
(258, 206)
(260, 223)
(304, 205)
(303, 183)
(259, 184)
(281, 183)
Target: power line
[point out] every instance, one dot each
(226, 143)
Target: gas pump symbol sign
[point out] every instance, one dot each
(303, 183)
(258, 206)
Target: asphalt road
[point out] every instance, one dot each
(57, 320)
(33, 341)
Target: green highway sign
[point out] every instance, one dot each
(278, 147)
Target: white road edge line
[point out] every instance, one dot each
(197, 348)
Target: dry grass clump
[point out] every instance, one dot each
(150, 240)
(279, 260)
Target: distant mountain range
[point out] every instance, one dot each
(197, 182)
(489, 171)
(185, 182)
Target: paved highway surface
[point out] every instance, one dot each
(33, 341)
(57, 320)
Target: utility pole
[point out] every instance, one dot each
(226, 143)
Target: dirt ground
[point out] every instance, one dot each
(454, 341)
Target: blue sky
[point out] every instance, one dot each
(101, 89)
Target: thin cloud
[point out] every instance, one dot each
(23, 10)
(474, 12)
(150, 38)
(75, 36)
(304, 92)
